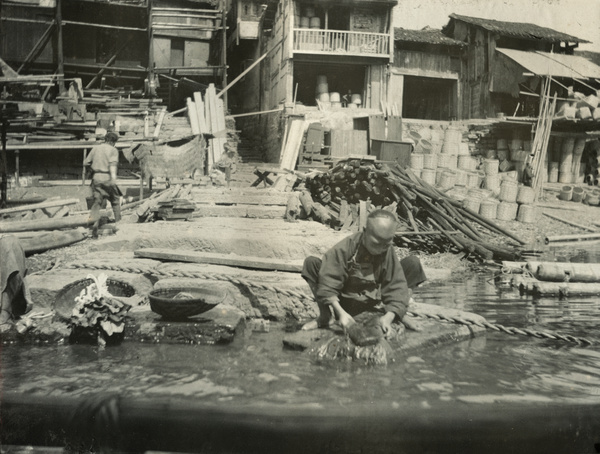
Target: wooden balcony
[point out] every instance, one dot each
(316, 41)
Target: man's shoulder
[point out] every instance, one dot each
(350, 242)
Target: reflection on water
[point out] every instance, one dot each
(257, 370)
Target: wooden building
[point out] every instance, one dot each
(491, 80)
(424, 77)
(155, 45)
(343, 45)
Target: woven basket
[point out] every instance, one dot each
(163, 301)
(463, 149)
(502, 154)
(466, 162)
(428, 176)
(447, 179)
(510, 175)
(461, 178)
(449, 161)
(490, 166)
(488, 208)
(492, 182)
(507, 211)
(566, 193)
(472, 203)
(64, 301)
(508, 191)
(430, 161)
(525, 194)
(473, 180)
(528, 214)
(578, 194)
(452, 139)
(553, 176)
(592, 199)
(417, 172)
(416, 161)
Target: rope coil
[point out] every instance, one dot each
(307, 300)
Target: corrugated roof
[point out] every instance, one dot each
(557, 65)
(519, 29)
(425, 36)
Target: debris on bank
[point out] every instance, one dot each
(430, 219)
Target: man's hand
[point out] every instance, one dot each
(386, 323)
(343, 318)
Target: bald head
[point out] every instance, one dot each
(379, 232)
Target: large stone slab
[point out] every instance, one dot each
(44, 287)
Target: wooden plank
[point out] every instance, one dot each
(159, 122)
(40, 206)
(230, 199)
(293, 144)
(192, 116)
(214, 258)
(200, 113)
(221, 128)
(363, 213)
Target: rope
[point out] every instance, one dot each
(507, 329)
(307, 300)
(196, 275)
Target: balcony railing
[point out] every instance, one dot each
(307, 40)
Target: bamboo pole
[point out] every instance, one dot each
(566, 221)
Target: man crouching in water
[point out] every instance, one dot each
(362, 276)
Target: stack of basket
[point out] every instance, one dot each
(416, 163)
(322, 91)
(507, 209)
(492, 179)
(527, 213)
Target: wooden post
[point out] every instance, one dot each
(4, 165)
(83, 167)
(224, 49)
(59, 47)
(150, 43)
(17, 170)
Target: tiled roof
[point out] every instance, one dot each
(518, 29)
(425, 36)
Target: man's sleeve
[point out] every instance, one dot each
(333, 273)
(114, 156)
(394, 291)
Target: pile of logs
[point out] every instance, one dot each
(343, 197)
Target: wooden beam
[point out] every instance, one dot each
(59, 47)
(213, 258)
(107, 64)
(249, 114)
(39, 206)
(38, 47)
(246, 71)
(112, 27)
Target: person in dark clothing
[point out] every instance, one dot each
(362, 274)
(528, 174)
(103, 160)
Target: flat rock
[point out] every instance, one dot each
(217, 326)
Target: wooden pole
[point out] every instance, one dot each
(246, 71)
(107, 64)
(59, 47)
(224, 51)
(83, 167)
(4, 163)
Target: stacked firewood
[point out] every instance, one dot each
(343, 196)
